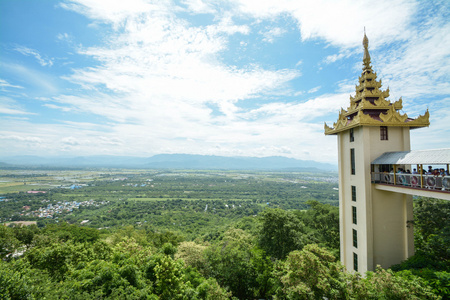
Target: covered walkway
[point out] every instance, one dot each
(420, 172)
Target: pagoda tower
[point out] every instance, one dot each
(373, 223)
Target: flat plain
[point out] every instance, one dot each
(190, 202)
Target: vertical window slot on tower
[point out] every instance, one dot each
(352, 160)
(383, 133)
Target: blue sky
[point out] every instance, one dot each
(230, 77)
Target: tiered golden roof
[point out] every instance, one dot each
(369, 107)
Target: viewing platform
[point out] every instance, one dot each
(410, 172)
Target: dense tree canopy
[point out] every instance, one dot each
(281, 232)
(221, 237)
(68, 261)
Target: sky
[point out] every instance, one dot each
(228, 78)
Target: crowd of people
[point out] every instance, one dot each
(432, 178)
(431, 171)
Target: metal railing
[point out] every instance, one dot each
(432, 182)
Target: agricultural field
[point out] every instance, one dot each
(192, 202)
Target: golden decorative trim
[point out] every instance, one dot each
(382, 102)
(393, 119)
(393, 116)
(398, 104)
(388, 114)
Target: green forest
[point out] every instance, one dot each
(197, 235)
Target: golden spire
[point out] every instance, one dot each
(370, 107)
(366, 57)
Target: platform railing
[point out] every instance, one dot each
(431, 182)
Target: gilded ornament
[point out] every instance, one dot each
(370, 87)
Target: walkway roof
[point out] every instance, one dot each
(417, 157)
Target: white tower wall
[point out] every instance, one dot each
(383, 237)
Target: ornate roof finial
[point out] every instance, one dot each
(370, 107)
(366, 57)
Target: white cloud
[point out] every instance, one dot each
(199, 6)
(11, 111)
(111, 141)
(344, 53)
(5, 84)
(340, 23)
(27, 139)
(11, 107)
(64, 37)
(314, 89)
(31, 77)
(271, 34)
(70, 140)
(67, 39)
(279, 113)
(115, 12)
(436, 136)
(162, 69)
(63, 108)
(420, 66)
(31, 52)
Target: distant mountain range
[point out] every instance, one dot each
(168, 161)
